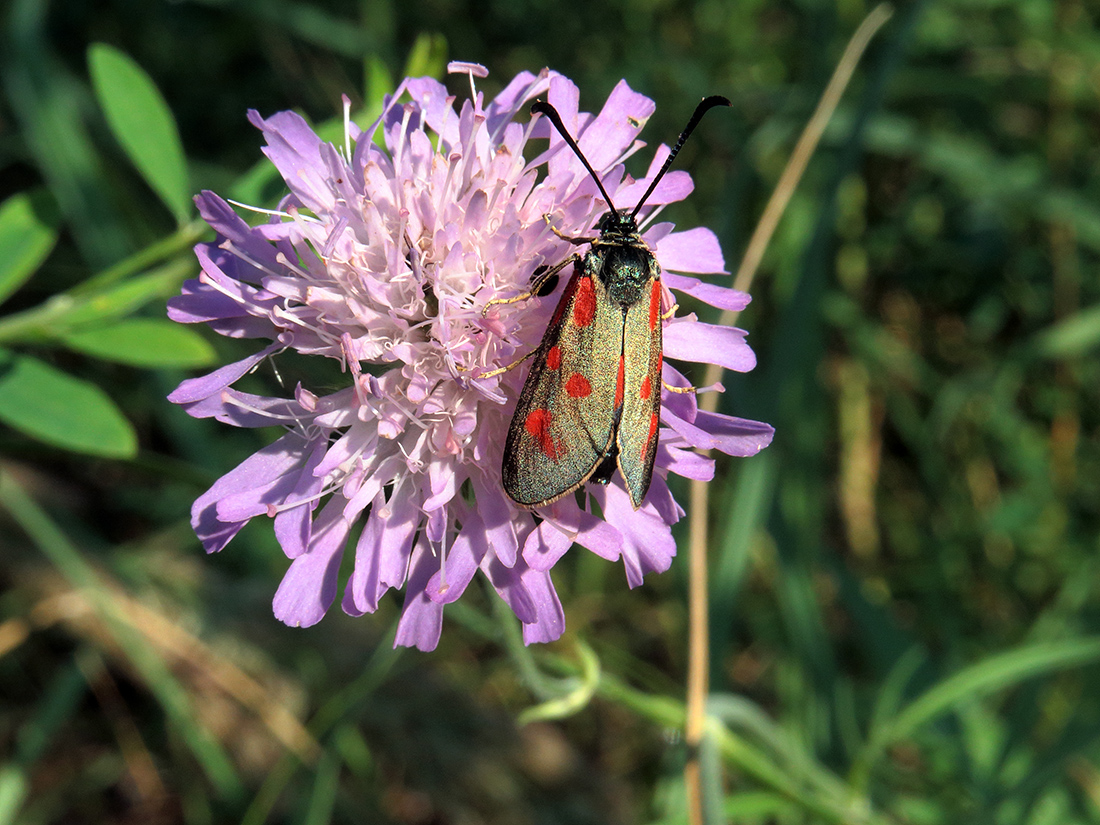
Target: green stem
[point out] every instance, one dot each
(67, 309)
(182, 239)
(750, 760)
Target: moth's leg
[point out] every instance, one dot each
(536, 285)
(575, 241)
(681, 390)
(511, 366)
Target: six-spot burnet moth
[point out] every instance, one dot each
(592, 400)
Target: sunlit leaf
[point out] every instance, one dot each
(1076, 335)
(428, 56)
(59, 409)
(26, 241)
(143, 342)
(143, 124)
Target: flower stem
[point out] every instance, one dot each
(698, 616)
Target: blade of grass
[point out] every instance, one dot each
(981, 679)
(59, 703)
(699, 612)
(173, 698)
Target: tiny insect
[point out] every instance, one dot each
(591, 402)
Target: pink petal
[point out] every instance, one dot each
(295, 149)
(293, 525)
(459, 67)
(715, 431)
(309, 586)
(691, 340)
(648, 545)
(611, 132)
(695, 250)
(421, 618)
(256, 471)
(382, 552)
(195, 389)
(508, 583)
(550, 621)
(497, 515)
(716, 296)
(463, 559)
(674, 186)
(735, 436)
(585, 529)
(545, 546)
(686, 463)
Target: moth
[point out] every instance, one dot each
(591, 402)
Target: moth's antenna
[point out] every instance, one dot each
(542, 108)
(704, 106)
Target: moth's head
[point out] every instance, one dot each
(617, 223)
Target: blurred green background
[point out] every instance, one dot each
(904, 585)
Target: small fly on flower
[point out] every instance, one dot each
(591, 402)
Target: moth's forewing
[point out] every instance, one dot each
(565, 419)
(637, 434)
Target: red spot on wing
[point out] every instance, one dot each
(653, 419)
(577, 386)
(619, 382)
(584, 306)
(654, 304)
(553, 357)
(647, 388)
(538, 425)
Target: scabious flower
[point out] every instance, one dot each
(383, 257)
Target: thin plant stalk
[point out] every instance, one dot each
(698, 677)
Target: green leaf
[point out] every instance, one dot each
(997, 672)
(143, 342)
(55, 710)
(26, 241)
(1078, 334)
(142, 122)
(84, 306)
(993, 673)
(126, 296)
(57, 408)
(428, 56)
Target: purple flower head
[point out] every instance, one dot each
(383, 257)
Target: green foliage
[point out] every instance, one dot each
(68, 412)
(905, 585)
(142, 122)
(26, 239)
(143, 342)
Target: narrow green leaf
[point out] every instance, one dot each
(142, 122)
(148, 661)
(428, 56)
(143, 342)
(574, 697)
(26, 241)
(59, 703)
(81, 308)
(996, 672)
(1078, 334)
(326, 783)
(987, 676)
(57, 408)
(48, 106)
(759, 805)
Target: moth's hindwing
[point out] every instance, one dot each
(641, 408)
(566, 416)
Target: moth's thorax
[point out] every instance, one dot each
(625, 266)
